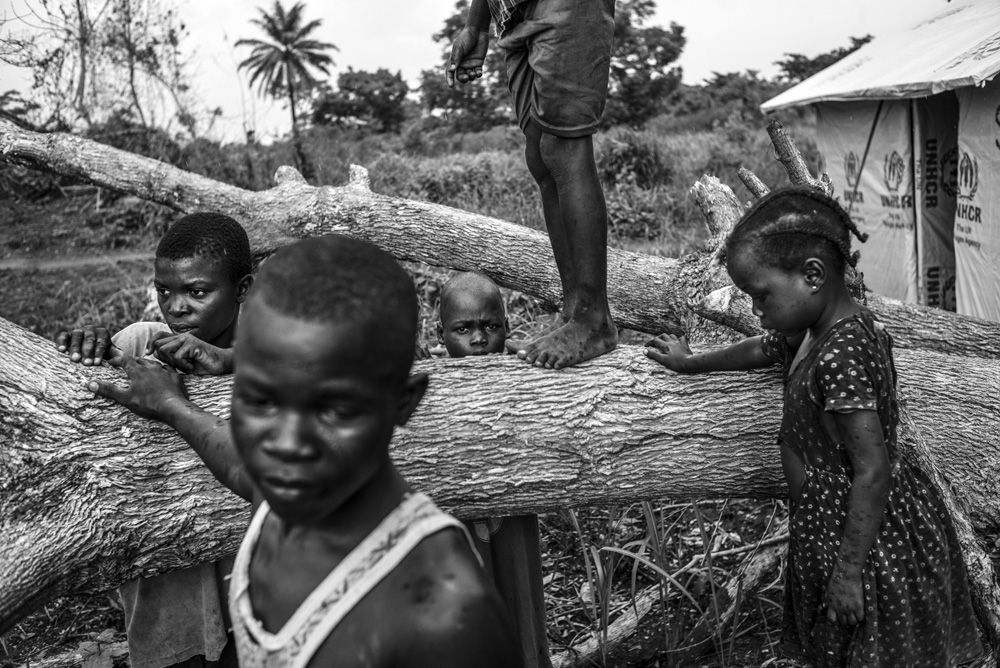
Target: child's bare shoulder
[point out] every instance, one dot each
(437, 609)
(454, 616)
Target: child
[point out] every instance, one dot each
(202, 275)
(875, 572)
(474, 322)
(343, 563)
(558, 55)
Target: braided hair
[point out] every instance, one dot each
(790, 225)
(212, 235)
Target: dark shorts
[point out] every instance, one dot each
(558, 55)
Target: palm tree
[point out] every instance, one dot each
(281, 63)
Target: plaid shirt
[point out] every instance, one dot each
(501, 11)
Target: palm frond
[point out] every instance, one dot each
(289, 54)
(309, 27)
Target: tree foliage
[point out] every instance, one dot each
(796, 67)
(91, 59)
(640, 77)
(281, 63)
(376, 99)
(471, 107)
(17, 109)
(729, 96)
(735, 97)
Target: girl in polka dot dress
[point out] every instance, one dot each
(875, 573)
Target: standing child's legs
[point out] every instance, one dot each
(551, 210)
(577, 222)
(558, 55)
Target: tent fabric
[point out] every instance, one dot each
(974, 177)
(956, 48)
(936, 137)
(877, 195)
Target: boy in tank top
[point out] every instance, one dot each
(343, 563)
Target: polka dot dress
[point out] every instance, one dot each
(917, 607)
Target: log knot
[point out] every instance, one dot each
(286, 174)
(359, 178)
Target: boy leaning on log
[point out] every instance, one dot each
(202, 276)
(558, 58)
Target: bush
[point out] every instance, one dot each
(630, 157)
(17, 182)
(493, 183)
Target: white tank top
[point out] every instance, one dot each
(415, 518)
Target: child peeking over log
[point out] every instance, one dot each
(202, 276)
(343, 563)
(473, 321)
(558, 58)
(875, 571)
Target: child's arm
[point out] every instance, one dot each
(157, 393)
(88, 345)
(861, 432)
(468, 51)
(190, 354)
(675, 354)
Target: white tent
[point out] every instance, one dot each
(909, 128)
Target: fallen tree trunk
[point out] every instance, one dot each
(512, 255)
(91, 495)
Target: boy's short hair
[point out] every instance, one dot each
(337, 279)
(212, 235)
(469, 280)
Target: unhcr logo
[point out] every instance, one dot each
(851, 169)
(968, 176)
(968, 184)
(893, 171)
(853, 177)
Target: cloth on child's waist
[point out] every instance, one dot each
(502, 12)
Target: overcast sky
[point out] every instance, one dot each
(722, 36)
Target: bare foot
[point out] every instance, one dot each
(567, 345)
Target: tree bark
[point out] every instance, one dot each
(792, 160)
(91, 496)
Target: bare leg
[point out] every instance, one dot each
(577, 221)
(550, 210)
